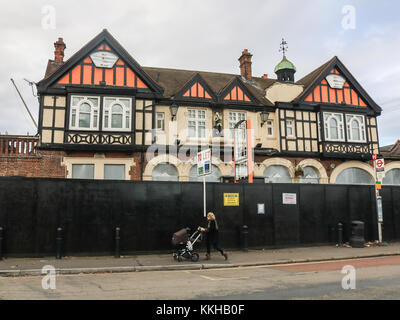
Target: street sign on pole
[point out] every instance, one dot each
(379, 170)
(203, 169)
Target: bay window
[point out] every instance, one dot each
(334, 128)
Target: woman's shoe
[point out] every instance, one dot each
(226, 256)
(208, 256)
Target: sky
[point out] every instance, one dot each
(206, 36)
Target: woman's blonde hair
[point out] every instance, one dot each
(211, 215)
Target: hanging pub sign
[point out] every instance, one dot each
(335, 81)
(104, 59)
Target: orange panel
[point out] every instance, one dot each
(354, 97)
(130, 78)
(201, 91)
(233, 94)
(309, 98)
(87, 60)
(101, 47)
(187, 93)
(337, 72)
(340, 95)
(98, 75)
(332, 95)
(317, 94)
(107, 48)
(228, 97)
(207, 96)
(193, 92)
(240, 94)
(324, 90)
(347, 96)
(362, 103)
(64, 80)
(76, 75)
(120, 62)
(140, 83)
(246, 98)
(87, 74)
(324, 82)
(119, 77)
(109, 77)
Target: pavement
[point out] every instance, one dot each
(160, 262)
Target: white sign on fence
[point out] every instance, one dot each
(289, 198)
(204, 162)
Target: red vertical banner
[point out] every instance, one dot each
(249, 151)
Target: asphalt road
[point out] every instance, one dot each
(375, 278)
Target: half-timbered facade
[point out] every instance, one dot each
(112, 118)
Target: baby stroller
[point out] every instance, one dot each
(184, 244)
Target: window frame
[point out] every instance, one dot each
(361, 128)
(126, 112)
(237, 119)
(75, 111)
(291, 126)
(270, 125)
(197, 120)
(326, 116)
(163, 122)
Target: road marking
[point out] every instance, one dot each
(222, 279)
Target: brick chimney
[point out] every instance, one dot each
(245, 64)
(59, 52)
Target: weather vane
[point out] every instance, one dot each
(283, 47)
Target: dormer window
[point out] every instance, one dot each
(84, 113)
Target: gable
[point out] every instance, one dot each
(196, 88)
(101, 62)
(236, 92)
(112, 72)
(332, 83)
(335, 88)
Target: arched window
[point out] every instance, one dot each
(277, 174)
(333, 123)
(165, 172)
(84, 113)
(354, 176)
(392, 177)
(310, 175)
(117, 114)
(355, 128)
(214, 176)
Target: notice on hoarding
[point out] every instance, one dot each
(231, 199)
(260, 208)
(289, 198)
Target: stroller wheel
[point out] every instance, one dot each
(195, 257)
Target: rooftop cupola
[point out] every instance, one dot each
(285, 70)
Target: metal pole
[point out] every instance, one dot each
(27, 109)
(204, 195)
(117, 238)
(245, 233)
(378, 201)
(340, 233)
(1, 243)
(59, 242)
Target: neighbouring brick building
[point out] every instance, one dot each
(104, 116)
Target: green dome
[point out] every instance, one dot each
(284, 64)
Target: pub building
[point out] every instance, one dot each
(108, 117)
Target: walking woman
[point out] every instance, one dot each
(212, 236)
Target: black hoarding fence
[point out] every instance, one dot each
(123, 217)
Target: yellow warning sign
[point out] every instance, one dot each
(231, 199)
